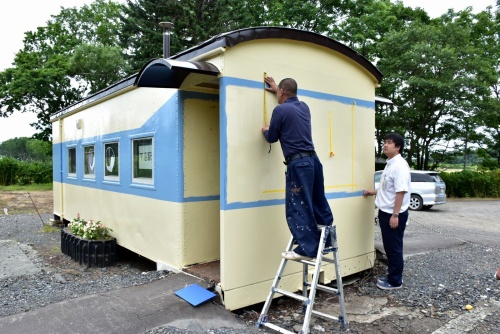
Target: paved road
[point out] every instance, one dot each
(458, 222)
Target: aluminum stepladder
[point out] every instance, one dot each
(308, 299)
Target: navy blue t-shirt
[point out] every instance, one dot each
(291, 125)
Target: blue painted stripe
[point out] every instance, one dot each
(201, 199)
(274, 202)
(230, 81)
(166, 125)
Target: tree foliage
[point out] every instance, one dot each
(73, 55)
(442, 74)
(198, 20)
(435, 73)
(26, 149)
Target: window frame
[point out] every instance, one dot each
(69, 165)
(111, 178)
(89, 176)
(142, 181)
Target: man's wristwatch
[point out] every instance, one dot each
(395, 215)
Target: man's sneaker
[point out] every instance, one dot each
(381, 280)
(291, 255)
(387, 286)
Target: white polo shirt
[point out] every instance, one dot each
(395, 178)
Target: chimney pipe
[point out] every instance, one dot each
(166, 37)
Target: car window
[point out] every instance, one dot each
(436, 177)
(417, 177)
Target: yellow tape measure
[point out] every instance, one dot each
(266, 120)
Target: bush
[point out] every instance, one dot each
(9, 168)
(466, 183)
(13, 171)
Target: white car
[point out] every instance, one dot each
(427, 189)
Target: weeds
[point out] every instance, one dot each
(49, 229)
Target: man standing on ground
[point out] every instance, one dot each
(393, 199)
(306, 204)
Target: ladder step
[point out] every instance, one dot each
(324, 288)
(276, 328)
(325, 315)
(292, 295)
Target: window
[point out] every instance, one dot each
(72, 160)
(143, 160)
(89, 161)
(111, 161)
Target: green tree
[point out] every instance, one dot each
(15, 148)
(362, 24)
(434, 71)
(73, 55)
(24, 148)
(487, 38)
(198, 20)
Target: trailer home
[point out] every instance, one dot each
(173, 159)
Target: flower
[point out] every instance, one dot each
(89, 229)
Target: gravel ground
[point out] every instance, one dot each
(437, 286)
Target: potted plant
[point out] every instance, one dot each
(89, 242)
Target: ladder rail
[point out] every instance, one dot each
(277, 279)
(312, 291)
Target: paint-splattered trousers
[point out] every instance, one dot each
(306, 204)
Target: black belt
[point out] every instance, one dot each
(299, 155)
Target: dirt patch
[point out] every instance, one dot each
(20, 202)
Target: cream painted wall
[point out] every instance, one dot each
(201, 148)
(314, 67)
(201, 233)
(201, 242)
(156, 235)
(124, 112)
(259, 234)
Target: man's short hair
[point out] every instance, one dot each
(289, 86)
(397, 139)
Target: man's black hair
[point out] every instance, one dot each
(289, 86)
(397, 139)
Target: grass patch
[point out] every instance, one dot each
(55, 250)
(49, 229)
(31, 187)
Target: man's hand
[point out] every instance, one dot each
(369, 192)
(273, 88)
(265, 128)
(393, 222)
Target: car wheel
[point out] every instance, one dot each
(427, 207)
(416, 202)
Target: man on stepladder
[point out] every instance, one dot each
(306, 206)
(392, 201)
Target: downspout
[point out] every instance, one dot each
(61, 169)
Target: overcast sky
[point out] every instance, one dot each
(20, 16)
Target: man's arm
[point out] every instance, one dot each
(273, 88)
(398, 202)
